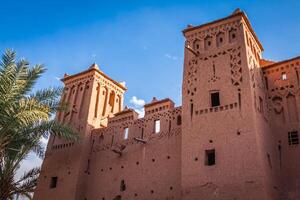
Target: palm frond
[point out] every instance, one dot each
(25, 117)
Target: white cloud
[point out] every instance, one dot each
(140, 111)
(27, 164)
(169, 56)
(138, 105)
(137, 102)
(31, 161)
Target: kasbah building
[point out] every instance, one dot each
(235, 137)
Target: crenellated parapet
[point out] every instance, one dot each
(161, 120)
(283, 84)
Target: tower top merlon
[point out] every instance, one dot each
(236, 13)
(94, 66)
(93, 69)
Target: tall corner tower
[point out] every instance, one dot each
(221, 132)
(92, 97)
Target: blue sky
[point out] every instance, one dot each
(136, 41)
(139, 42)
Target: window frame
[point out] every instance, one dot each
(283, 76)
(208, 159)
(53, 182)
(126, 133)
(157, 124)
(211, 93)
(293, 138)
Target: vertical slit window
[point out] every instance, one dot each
(126, 133)
(156, 126)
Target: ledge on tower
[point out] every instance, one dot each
(124, 115)
(158, 105)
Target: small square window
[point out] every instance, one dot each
(293, 138)
(215, 99)
(283, 76)
(210, 157)
(126, 133)
(156, 126)
(53, 182)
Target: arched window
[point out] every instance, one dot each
(232, 35)
(197, 45)
(220, 39)
(207, 42)
(112, 100)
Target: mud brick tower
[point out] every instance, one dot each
(236, 135)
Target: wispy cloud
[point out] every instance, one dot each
(171, 57)
(138, 105)
(57, 78)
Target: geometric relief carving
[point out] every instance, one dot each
(214, 78)
(235, 67)
(278, 109)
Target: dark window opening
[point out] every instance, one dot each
(192, 109)
(240, 100)
(267, 84)
(53, 182)
(269, 160)
(215, 99)
(293, 138)
(279, 151)
(179, 120)
(142, 136)
(122, 186)
(118, 197)
(210, 157)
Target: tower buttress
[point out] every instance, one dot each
(221, 134)
(92, 97)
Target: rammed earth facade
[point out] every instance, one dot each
(236, 135)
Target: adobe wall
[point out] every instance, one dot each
(248, 131)
(149, 170)
(67, 160)
(230, 128)
(284, 107)
(265, 138)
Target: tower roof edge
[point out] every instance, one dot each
(237, 12)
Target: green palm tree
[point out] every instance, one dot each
(25, 118)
